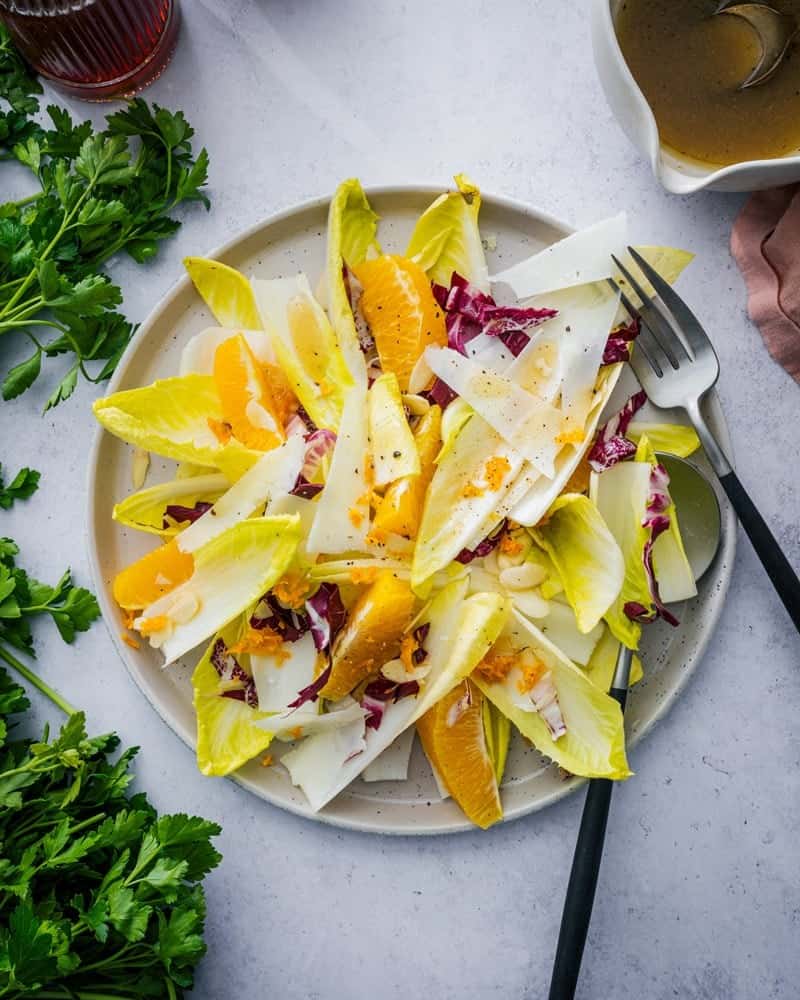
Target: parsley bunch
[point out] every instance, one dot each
(98, 194)
(100, 897)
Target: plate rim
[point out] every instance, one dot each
(374, 824)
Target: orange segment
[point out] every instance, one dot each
(247, 404)
(372, 634)
(401, 311)
(281, 393)
(453, 739)
(152, 576)
(400, 510)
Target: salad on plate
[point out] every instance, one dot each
(402, 503)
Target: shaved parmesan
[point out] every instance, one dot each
(579, 258)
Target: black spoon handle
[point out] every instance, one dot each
(783, 577)
(582, 882)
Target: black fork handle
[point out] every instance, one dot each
(783, 577)
(582, 882)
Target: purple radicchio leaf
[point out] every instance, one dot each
(326, 615)
(611, 445)
(311, 693)
(482, 548)
(288, 623)
(304, 489)
(184, 514)
(657, 522)
(618, 344)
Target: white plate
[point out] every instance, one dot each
(289, 242)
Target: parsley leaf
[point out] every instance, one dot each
(23, 485)
(100, 193)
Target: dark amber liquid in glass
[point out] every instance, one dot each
(94, 48)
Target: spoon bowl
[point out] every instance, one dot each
(698, 509)
(775, 32)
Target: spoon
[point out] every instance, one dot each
(701, 529)
(775, 32)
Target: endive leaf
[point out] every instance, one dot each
(171, 418)
(674, 439)
(586, 555)
(226, 291)
(446, 237)
(227, 734)
(352, 228)
(145, 509)
(594, 743)
(305, 345)
(231, 572)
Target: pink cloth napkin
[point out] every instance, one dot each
(765, 243)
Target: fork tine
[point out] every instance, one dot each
(646, 341)
(689, 325)
(652, 319)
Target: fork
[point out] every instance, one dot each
(677, 365)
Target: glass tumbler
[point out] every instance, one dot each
(95, 49)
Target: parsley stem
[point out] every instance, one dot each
(26, 201)
(37, 682)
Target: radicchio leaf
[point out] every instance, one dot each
(440, 393)
(374, 709)
(469, 311)
(657, 521)
(304, 489)
(318, 445)
(618, 344)
(611, 445)
(311, 693)
(184, 514)
(482, 548)
(226, 664)
(325, 614)
(289, 623)
(382, 689)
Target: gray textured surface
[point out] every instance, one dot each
(700, 879)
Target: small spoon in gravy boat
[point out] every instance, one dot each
(775, 32)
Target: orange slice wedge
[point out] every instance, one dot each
(372, 634)
(152, 576)
(401, 311)
(454, 741)
(247, 402)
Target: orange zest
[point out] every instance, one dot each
(130, 641)
(496, 666)
(497, 468)
(147, 626)
(408, 646)
(244, 392)
(263, 641)
(454, 741)
(532, 673)
(403, 315)
(510, 545)
(296, 733)
(471, 490)
(292, 590)
(356, 517)
(363, 574)
(266, 760)
(372, 634)
(152, 576)
(575, 436)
